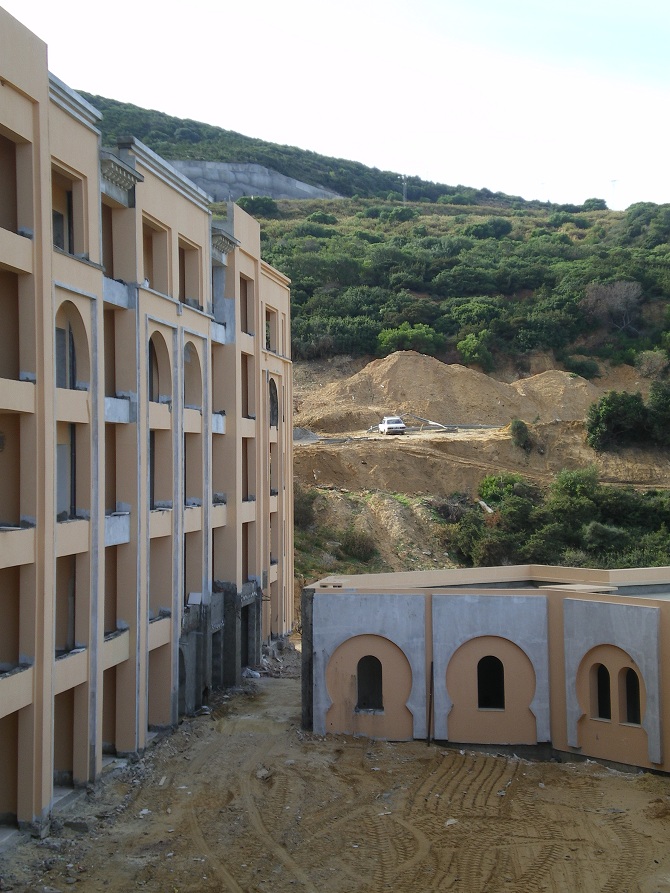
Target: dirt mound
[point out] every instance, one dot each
(411, 383)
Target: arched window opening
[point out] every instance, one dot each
(274, 404)
(631, 687)
(66, 358)
(154, 378)
(192, 377)
(369, 675)
(603, 694)
(490, 683)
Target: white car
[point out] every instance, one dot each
(392, 424)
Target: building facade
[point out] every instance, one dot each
(145, 441)
(571, 659)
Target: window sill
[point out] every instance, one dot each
(370, 711)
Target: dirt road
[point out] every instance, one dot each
(243, 800)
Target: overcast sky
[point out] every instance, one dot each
(560, 101)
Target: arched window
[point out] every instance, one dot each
(192, 377)
(160, 378)
(369, 675)
(154, 378)
(603, 697)
(629, 686)
(71, 344)
(274, 404)
(490, 683)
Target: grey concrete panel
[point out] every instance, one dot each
(398, 618)
(520, 619)
(634, 629)
(226, 181)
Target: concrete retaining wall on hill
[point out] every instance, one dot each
(226, 181)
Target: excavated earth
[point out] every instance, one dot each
(338, 402)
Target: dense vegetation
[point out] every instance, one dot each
(578, 522)
(620, 419)
(477, 284)
(464, 274)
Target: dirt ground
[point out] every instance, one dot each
(243, 800)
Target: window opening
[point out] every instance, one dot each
(603, 694)
(369, 676)
(274, 404)
(490, 683)
(632, 683)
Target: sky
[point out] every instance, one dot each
(557, 101)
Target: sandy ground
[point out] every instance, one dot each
(243, 800)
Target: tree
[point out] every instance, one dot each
(617, 419)
(614, 304)
(419, 337)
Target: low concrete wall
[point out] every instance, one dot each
(227, 181)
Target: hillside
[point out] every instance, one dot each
(387, 488)
(187, 139)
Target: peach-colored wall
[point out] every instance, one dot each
(615, 738)
(395, 722)
(467, 722)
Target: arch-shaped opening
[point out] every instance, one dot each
(73, 367)
(629, 697)
(274, 404)
(192, 377)
(490, 683)
(601, 693)
(369, 683)
(160, 380)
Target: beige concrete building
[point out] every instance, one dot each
(575, 660)
(145, 441)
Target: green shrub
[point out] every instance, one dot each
(358, 544)
(259, 205)
(583, 367)
(521, 435)
(303, 507)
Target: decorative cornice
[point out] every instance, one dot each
(223, 241)
(72, 103)
(118, 172)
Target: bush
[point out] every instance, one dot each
(358, 544)
(322, 217)
(617, 419)
(259, 205)
(521, 435)
(583, 367)
(303, 507)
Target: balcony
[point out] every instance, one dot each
(72, 537)
(192, 518)
(72, 406)
(117, 410)
(115, 649)
(70, 670)
(160, 522)
(117, 528)
(160, 630)
(17, 546)
(192, 421)
(219, 515)
(219, 422)
(119, 293)
(16, 252)
(17, 396)
(160, 416)
(16, 689)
